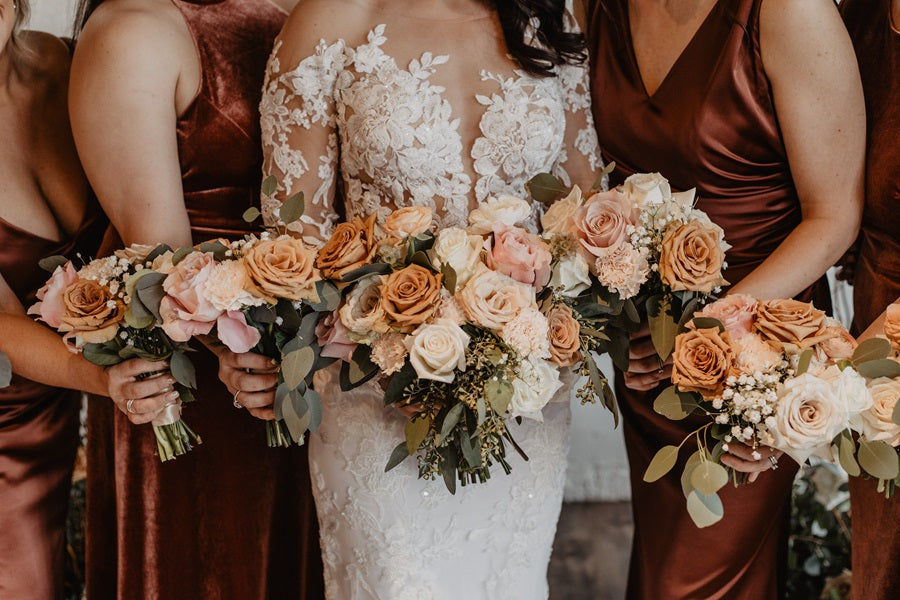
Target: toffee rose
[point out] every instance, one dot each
(785, 323)
(565, 343)
(702, 360)
(352, 245)
(691, 257)
(91, 311)
(282, 268)
(410, 296)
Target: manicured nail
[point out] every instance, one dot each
(172, 396)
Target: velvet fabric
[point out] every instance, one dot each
(876, 519)
(710, 125)
(232, 519)
(38, 435)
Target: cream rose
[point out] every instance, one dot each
(702, 360)
(850, 390)
(362, 313)
(602, 224)
(736, 312)
(437, 350)
(691, 257)
(807, 417)
(877, 422)
(892, 325)
(503, 209)
(650, 193)
(282, 268)
(460, 250)
(571, 276)
(790, 322)
(559, 219)
(408, 222)
(565, 343)
(135, 254)
(537, 382)
(492, 299)
(410, 296)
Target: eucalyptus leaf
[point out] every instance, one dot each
(709, 477)
(183, 370)
(631, 311)
(545, 188)
(882, 367)
(846, 452)
(669, 405)
(292, 209)
(157, 252)
(687, 312)
(449, 274)
(373, 269)
(879, 459)
(498, 392)
(609, 401)
(5, 371)
(470, 452)
(693, 460)
(416, 432)
(306, 333)
(217, 249)
(618, 347)
(50, 263)
(297, 424)
(398, 455)
(297, 365)
(251, 214)
(871, 349)
(598, 183)
(803, 361)
(449, 463)
(398, 383)
(705, 510)
(269, 185)
(137, 316)
(329, 297)
(314, 402)
(708, 323)
(421, 259)
(594, 333)
(451, 420)
(179, 254)
(663, 329)
(101, 354)
(662, 463)
(149, 290)
(281, 392)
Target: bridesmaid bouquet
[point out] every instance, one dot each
(648, 247)
(879, 429)
(109, 310)
(778, 373)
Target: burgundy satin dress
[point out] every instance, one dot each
(232, 519)
(710, 125)
(876, 520)
(38, 434)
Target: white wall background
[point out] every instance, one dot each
(55, 16)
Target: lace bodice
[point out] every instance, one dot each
(404, 125)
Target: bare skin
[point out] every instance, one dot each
(810, 63)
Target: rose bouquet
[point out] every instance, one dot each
(879, 427)
(454, 321)
(649, 247)
(778, 373)
(109, 310)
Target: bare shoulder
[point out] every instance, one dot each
(45, 61)
(790, 28)
(313, 21)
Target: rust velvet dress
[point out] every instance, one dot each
(711, 124)
(38, 435)
(876, 520)
(232, 519)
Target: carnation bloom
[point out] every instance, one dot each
(528, 333)
(389, 352)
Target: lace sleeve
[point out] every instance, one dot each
(299, 136)
(580, 162)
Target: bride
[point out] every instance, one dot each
(440, 103)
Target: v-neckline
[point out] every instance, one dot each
(678, 60)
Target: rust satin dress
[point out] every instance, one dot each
(233, 519)
(711, 124)
(38, 434)
(876, 520)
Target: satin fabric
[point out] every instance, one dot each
(710, 125)
(876, 520)
(38, 436)
(233, 519)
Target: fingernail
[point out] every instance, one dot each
(170, 380)
(172, 396)
(273, 362)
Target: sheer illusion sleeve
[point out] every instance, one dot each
(299, 136)
(580, 161)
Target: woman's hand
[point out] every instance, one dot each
(252, 379)
(740, 458)
(140, 388)
(645, 368)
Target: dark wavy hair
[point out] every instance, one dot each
(542, 48)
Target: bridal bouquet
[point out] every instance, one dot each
(455, 321)
(778, 373)
(109, 310)
(648, 246)
(879, 427)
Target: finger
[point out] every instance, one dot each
(256, 400)
(646, 365)
(644, 382)
(753, 477)
(146, 409)
(250, 360)
(266, 414)
(637, 350)
(251, 382)
(134, 367)
(148, 387)
(745, 466)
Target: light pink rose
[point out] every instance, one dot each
(51, 308)
(334, 337)
(185, 310)
(235, 333)
(601, 225)
(523, 256)
(736, 312)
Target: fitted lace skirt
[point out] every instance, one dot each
(393, 536)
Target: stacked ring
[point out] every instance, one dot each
(129, 407)
(235, 401)
(774, 462)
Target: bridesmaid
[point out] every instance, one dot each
(44, 210)
(758, 104)
(875, 30)
(164, 112)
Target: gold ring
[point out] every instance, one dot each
(235, 401)
(129, 407)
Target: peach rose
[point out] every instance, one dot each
(601, 224)
(736, 312)
(333, 338)
(410, 296)
(352, 245)
(491, 299)
(185, 310)
(838, 345)
(691, 257)
(51, 308)
(91, 312)
(560, 217)
(877, 422)
(523, 256)
(362, 312)
(892, 325)
(408, 222)
(703, 359)
(564, 336)
(790, 322)
(282, 268)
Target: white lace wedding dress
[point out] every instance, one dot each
(418, 121)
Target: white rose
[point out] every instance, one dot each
(807, 417)
(506, 209)
(460, 250)
(877, 422)
(135, 253)
(572, 275)
(645, 190)
(850, 390)
(163, 263)
(537, 382)
(362, 313)
(226, 287)
(437, 350)
(491, 299)
(558, 218)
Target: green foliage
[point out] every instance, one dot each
(545, 188)
(662, 463)
(50, 263)
(5, 371)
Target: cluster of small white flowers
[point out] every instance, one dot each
(748, 402)
(111, 272)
